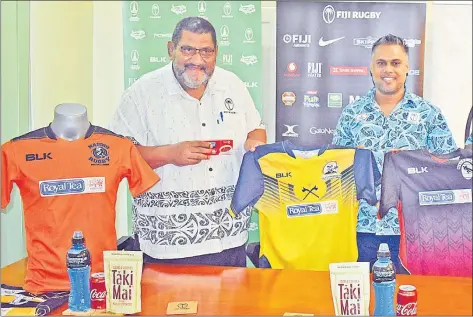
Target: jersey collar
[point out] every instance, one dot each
(52, 135)
(289, 148)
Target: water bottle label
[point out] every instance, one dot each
(78, 260)
(384, 274)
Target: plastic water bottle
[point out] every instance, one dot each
(78, 268)
(384, 282)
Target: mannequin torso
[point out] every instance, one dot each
(70, 121)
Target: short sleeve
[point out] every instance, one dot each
(139, 174)
(390, 184)
(367, 176)
(250, 184)
(440, 139)
(342, 134)
(10, 172)
(128, 119)
(252, 116)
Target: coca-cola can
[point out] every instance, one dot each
(98, 292)
(406, 301)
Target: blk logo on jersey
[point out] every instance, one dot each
(38, 157)
(283, 175)
(417, 170)
(100, 155)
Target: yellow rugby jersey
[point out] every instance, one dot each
(307, 201)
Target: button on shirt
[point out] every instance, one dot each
(186, 214)
(413, 124)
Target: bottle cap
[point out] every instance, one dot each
(383, 250)
(78, 237)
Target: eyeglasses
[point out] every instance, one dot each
(190, 51)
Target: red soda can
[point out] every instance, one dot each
(406, 301)
(97, 291)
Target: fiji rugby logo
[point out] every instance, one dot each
(100, 155)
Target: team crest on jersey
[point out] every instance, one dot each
(330, 171)
(100, 154)
(466, 167)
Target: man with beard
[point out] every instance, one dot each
(170, 114)
(389, 118)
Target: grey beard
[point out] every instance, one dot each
(186, 81)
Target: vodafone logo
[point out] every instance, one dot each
(292, 70)
(291, 67)
(97, 295)
(349, 70)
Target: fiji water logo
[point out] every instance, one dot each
(303, 210)
(100, 155)
(61, 187)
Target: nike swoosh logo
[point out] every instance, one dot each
(325, 43)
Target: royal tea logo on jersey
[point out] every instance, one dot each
(330, 171)
(72, 186)
(100, 155)
(436, 198)
(313, 209)
(445, 197)
(466, 168)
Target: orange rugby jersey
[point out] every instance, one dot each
(67, 186)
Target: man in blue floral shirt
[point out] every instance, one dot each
(389, 118)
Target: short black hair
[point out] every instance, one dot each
(195, 25)
(390, 40)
